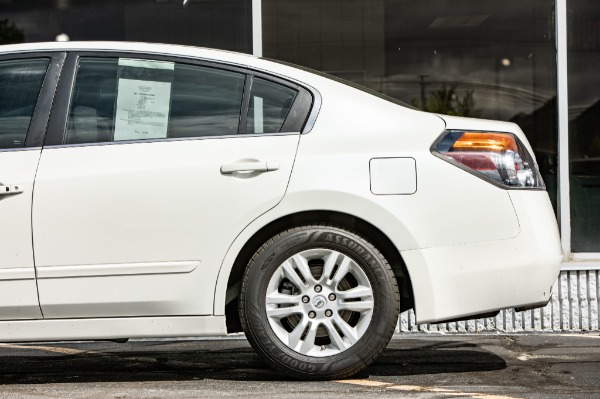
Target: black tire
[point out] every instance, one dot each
(379, 328)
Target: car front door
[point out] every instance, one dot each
(146, 180)
(25, 95)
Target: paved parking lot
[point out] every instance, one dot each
(486, 366)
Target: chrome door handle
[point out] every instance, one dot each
(11, 189)
(256, 166)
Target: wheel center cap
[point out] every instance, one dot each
(319, 301)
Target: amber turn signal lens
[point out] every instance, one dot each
(479, 141)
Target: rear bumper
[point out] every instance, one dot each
(460, 281)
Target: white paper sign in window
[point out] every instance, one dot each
(259, 123)
(142, 109)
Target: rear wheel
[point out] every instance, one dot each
(319, 302)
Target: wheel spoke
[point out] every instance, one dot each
(309, 340)
(335, 337)
(296, 334)
(302, 267)
(356, 293)
(348, 331)
(356, 306)
(341, 271)
(277, 298)
(329, 265)
(292, 275)
(279, 313)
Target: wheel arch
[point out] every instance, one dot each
(340, 219)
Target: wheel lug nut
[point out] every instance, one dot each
(305, 299)
(328, 313)
(311, 314)
(332, 297)
(318, 288)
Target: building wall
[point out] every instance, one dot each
(341, 37)
(502, 55)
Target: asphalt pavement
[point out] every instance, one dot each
(486, 366)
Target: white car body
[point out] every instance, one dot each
(140, 239)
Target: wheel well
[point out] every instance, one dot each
(367, 230)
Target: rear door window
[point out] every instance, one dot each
(117, 99)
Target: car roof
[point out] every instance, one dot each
(220, 56)
(134, 47)
(297, 74)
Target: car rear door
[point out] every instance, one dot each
(27, 83)
(150, 170)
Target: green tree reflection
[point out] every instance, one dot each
(445, 101)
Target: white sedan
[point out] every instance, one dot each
(161, 191)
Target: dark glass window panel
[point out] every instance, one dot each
(20, 84)
(92, 107)
(197, 101)
(205, 102)
(223, 24)
(584, 123)
(462, 57)
(270, 104)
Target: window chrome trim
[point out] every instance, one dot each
(17, 149)
(168, 140)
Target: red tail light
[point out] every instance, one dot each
(498, 157)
